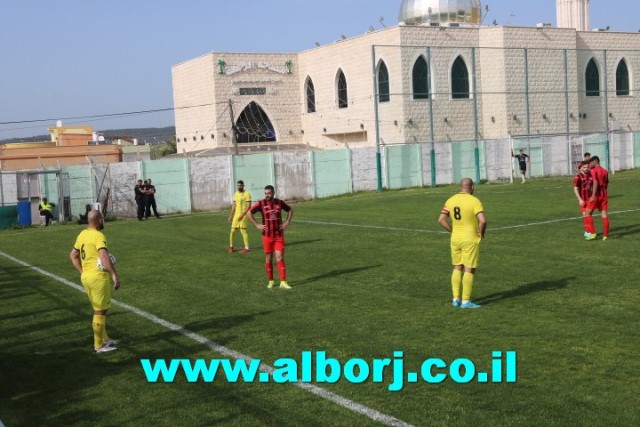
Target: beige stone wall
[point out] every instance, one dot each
(624, 110)
(330, 126)
(195, 103)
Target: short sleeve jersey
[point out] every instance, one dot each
(463, 209)
(271, 211)
(242, 201)
(583, 183)
(601, 175)
(522, 159)
(88, 243)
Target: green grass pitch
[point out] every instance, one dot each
(370, 275)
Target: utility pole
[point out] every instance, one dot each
(234, 140)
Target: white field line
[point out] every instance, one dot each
(220, 349)
(419, 230)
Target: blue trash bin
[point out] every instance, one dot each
(24, 214)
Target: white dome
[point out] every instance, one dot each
(424, 12)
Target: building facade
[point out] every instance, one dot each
(443, 79)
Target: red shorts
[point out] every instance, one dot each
(273, 243)
(600, 203)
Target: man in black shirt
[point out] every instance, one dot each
(139, 199)
(150, 191)
(523, 159)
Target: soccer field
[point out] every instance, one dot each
(371, 276)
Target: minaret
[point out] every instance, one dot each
(573, 14)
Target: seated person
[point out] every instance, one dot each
(46, 209)
(84, 219)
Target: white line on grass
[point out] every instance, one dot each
(325, 394)
(374, 227)
(419, 230)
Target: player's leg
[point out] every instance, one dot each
(605, 222)
(456, 275)
(245, 236)
(470, 254)
(232, 233)
(282, 268)
(99, 293)
(591, 226)
(268, 261)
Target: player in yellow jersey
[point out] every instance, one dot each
(90, 245)
(237, 219)
(467, 227)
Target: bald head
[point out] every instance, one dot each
(466, 185)
(94, 218)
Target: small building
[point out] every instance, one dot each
(69, 145)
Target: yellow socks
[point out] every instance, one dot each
(456, 283)
(467, 286)
(99, 330)
(245, 237)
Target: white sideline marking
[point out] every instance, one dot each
(375, 227)
(419, 230)
(325, 394)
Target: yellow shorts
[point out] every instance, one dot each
(465, 252)
(239, 224)
(98, 287)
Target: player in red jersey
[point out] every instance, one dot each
(582, 187)
(272, 229)
(599, 198)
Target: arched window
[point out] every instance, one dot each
(622, 79)
(592, 79)
(311, 96)
(253, 125)
(383, 83)
(343, 95)
(421, 79)
(459, 79)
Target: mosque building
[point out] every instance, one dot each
(442, 74)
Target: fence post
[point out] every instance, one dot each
(377, 118)
(432, 152)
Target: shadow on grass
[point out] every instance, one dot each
(215, 331)
(625, 231)
(526, 289)
(303, 242)
(334, 273)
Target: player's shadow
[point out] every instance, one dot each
(207, 328)
(625, 231)
(334, 273)
(303, 242)
(526, 289)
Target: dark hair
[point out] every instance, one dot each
(270, 187)
(586, 154)
(585, 163)
(595, 159)
(240, 182)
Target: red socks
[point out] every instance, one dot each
(269, 269)
(282, 271)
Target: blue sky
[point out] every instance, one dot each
(71, 58)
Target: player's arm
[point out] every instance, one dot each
(443, 220)
(528, 158)
(233, 211)
(241, 217)
(260, 227)
(75, 259)
(594, 189)
(482, 224)
(286, 223)
(577, 193)
(103, 253)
